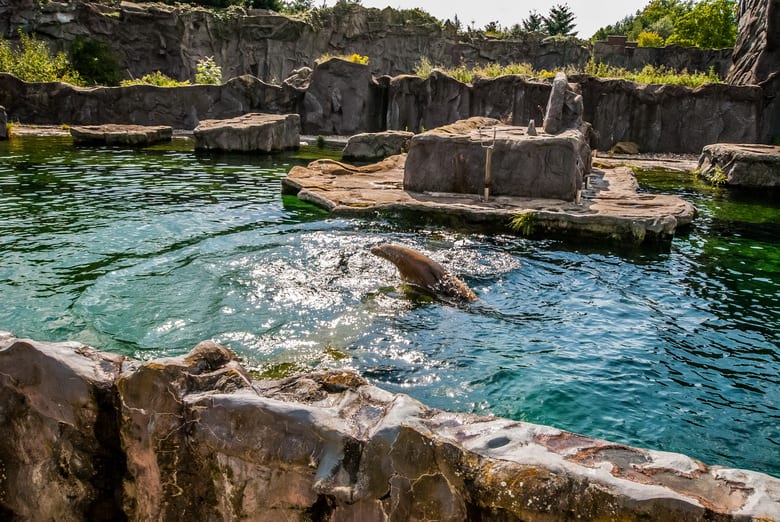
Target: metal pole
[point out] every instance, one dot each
(487, 143)
(488, 164)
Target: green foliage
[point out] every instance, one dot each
(560, 21)
(297, 6)
(710, 24)
(707, 24)
(208, 72)
(34, 62)
(534, 23)
(523, 223)
(650, 39)
(652, 75)
(156, 78)
(354, 58)
(95, 62)
(649, 74)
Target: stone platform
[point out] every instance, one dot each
(121, 135)
(89, 435)
(744, 165)
(253, 132)
(611, 207)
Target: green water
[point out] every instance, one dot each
(147, 253)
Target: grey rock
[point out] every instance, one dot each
(532, 128)
(299, 78)
(376, 145)
(741, 164)
(452, 159)
(130, 135)
(250, 133)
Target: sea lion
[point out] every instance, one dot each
(424, 272)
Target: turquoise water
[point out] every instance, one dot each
(148, 253)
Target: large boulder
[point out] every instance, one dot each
(741, 165)
(564, 108)
(60, 453)
(452, 159)
(250, 133)
(373, 145)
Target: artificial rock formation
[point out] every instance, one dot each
(452, 159)
(741, 165)
(93, 436)
(252, 132)
(614, 210)
(130, 135)
(3, 124)
(374, 145)
(757, 51)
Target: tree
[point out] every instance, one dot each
(560, 21)
(534, 23)
(710, 24)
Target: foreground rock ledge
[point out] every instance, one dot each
(611, 207)
(87, 435)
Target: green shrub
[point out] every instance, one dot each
(650, 39)
(95, 62)
(156, 78)
(354, 58)
(34, 62)
(208, 72)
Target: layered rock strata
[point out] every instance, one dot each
(253, 132)
(94, 436)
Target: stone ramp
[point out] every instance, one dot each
(610, 209)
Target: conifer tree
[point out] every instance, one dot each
(560, 21)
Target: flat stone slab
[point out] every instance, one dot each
(611, 207)
(195, 434)
(376, 145)
(113, 134)
(746, 165)
(452, 159)
(253, 132)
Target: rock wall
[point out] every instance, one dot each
(343, 98)
(92, 436)
(618, 53)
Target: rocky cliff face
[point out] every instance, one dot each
(147, 38)
(757, 51)
(86, 435)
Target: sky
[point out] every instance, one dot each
(590, 15)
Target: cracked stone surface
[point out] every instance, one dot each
(87, 435)
(611, 207)
(746, 165)
(253, 132)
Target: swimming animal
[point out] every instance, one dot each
(424, 272)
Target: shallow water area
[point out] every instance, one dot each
(148, 252)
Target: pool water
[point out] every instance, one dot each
(146, 253)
